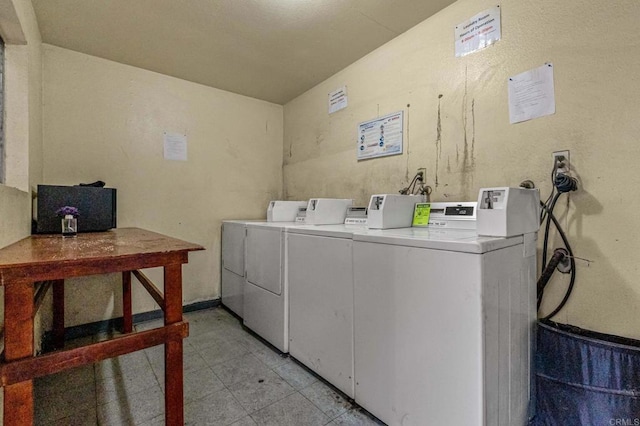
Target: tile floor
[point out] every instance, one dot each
(230, 378)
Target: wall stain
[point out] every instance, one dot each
(468, 158)
(438, 139)
(291, 148)
(457, 154)
(406, 177)
(448, 164)
(473, 133)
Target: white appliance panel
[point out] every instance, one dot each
(232, 271)
(233, 247)
(418, 334)
(459, 240)
(450, 332)
(265, 313)
(326, 211)
(321, 306)
(283, 211)
(509, 306)
(232, 291)
(265, 258)
(266, 299)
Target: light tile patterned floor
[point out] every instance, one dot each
(230, 378)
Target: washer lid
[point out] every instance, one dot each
(462, 240)
(335, 231)
(243, 222)
(273, 225)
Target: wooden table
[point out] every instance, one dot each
(46, 260)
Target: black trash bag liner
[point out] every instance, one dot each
(585, 378)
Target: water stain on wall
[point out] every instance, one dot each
(473, 133)
(406, 176)
(468, 156)
(438, 139)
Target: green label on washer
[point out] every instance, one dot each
(421, 214)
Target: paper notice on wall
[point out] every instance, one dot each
(175, 146)
(338, 99)
(380, 137)
(478, 32)
(531, 94)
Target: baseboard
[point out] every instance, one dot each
(105, 326)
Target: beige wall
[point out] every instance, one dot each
(23, 124)
(597, 86)
(23, 84)
(23, 129)
(104, 120)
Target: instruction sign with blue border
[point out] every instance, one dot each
(380, 137)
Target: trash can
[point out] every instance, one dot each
(586, 378)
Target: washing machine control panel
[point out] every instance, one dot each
(356, 216)
(453, 215)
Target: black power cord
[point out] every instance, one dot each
(420, 189)
(571, 260)
(548, 208)
(410, 188)
(563, 183)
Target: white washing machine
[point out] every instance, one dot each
(443, 323)
(321, 301)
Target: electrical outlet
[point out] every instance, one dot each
(561, 158)
(423, 170)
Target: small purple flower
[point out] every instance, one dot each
(68, 210)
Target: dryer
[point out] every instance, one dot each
(266, 297)
(443, 322)
(232, 268)
(232, 271)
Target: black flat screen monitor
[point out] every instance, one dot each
(96, 206)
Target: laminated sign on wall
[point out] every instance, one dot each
(478, 32)
(380, 137)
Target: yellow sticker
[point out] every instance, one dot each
(421, 214)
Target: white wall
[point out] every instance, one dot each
(597, 87)
(104, 120)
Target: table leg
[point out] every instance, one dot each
(174, 410)
(58, 314)
(127, 315)
(18, 341)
